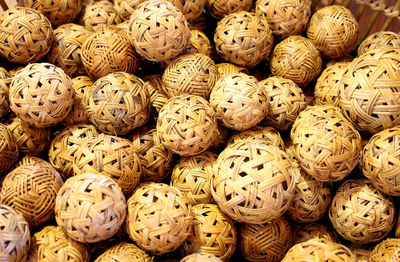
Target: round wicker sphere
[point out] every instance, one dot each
(296, 58)
(8, 149)
(158, 98)
(239, 101)
(124, 252)
(5, 80)
(192, 176)
(243, 38)
(15, 235)
(285, 17)
(52, 244)
(357, 199)
(253, 182)
(325, 143)
(194, 74)
(313, 230)
(187, 125)
(31, 191)
(81, 84)
(387, 250)
(379, 40)
(286, 101)
(158, 30)
(32, 161)
(266, 133)
(162, 210)
(334, 31)
(78, 114)
(192, 9)
(125, 8)
(200, 257)
(265, 242)
(227, 69)
(98, 14)
(213, 233)
(25, 35)
(41, 94)
(220, 8)
(199, 43)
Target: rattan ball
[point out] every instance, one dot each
(192, 9)
(158, 98)
(52, 244)
(266, 133)
(200, 257)
(296, 58)
(32, 191)
(313, 230)
(158, 30)
(334, 31)
(221, 8)
(253, 182)
(25, 35)
(124, 252)
(78, 114)
(243, 38)
(162, 210)
(41, 94)
(31, 161)
(379, 40)
(213, 233)
(187, 125)
(199, 43)
(285, 17)
(286, 101)
(125, 8)
(227, 69)
(81, 84)
(99, 14)
(325, 143)
(360, 213)
(8, 149)
(5, 80)
(387, 250)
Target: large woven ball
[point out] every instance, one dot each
(239, 101)
(187, 125)
(25, 35)
(334, 31)
(199, 43)
(325, 143)
(98, 14)
(309, 231)
(227, 69)
(220, 8)
(243, 38)
(124, 252)
(158, 30)
(199, 257)
(8, 149)
(266, 133)
(79, 203)
(15, 236)
(41, 94)
(387, 250)
(31, 191)
(379, 40)
(296, 58)
(162, 210)
(286, 101)
(5, 81)
(285, 17)
(360, 213)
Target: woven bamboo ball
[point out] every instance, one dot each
(98, 14)
(25, 35)
(286, 101)
(192, 9)
(164, 211)
(387, 250)
(306, 232)
(285, 17)
(187, 125)
(8, 149)
(334, 31)
(15, 235)
(81, 84)
(52, 244)
(239, 101)
(266, 133)
(125, 8)
(325, 143)
(32, 191)
(5, 80)
(379, 40)
(253, 182)
(360, 213)
(296, 58)
(227, 69)
(124, 252)
(265, 242)
(199, 43)
(200, 257)
(158, 30)
(370, 89)
(31, 161)
(220, 8)
(41, 94)
(158, 98)
(243, 38)
(78, 114)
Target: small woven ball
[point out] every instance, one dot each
(52, 244)
(162, 210)
(360, 213)
(187, 125)
(379, 40)
(158, 98)
(192, 9)
(78, 114)
(99, 14)
(220, 8)
(125, 8)
(124, 252)
(41, 94)
(5, 80)
(296, 58)
(286, 101)
(227, 69)
(243, 38)
(194, 74)
(8, 149)
(285, 17)
(387, 250)
(200, 257)
(266, 133)
(334, 31)
(31, 161)
(313, 230)
(25, 35)
(32, 191)
(15, 236)
(199, 43)
(81, 84)
(158, 30)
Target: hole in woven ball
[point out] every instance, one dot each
(228, 197)
(232, 165)
(274, 195)
(246, 159)
(242, 174)
(284, 185)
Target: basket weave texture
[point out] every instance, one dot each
(199, 43)
(265, 133)
(191, 9)
(387, 250)
(99, 14)
(379, 40)
(125, 8)
(220, 8)
(200, 257)
(227, 69)
(158, 98)
(5, 80)
(124, 252)
(8, 149)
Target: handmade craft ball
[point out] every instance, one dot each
(31, 161)
(25, 35)
(313, 230)
(239, 101)
(243, 38)
(78, 114)
(286, 100)
(125, 8)
(199, 257)
(296, 58)
(285, 17)
(357, 199)
(334, 31)
(124, 252)
(220, 8)
(227, 69)
(158, 98)
(187, 125)
(266, 133)
(199, 43)
(158, 30)
(98, 14)
(5, 80)
(8, 149)
(379, 40)
(164, 211)
(81, 84)
(387, 250)
(192, 9)
(15, 235)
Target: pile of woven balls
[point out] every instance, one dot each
(203, 130)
